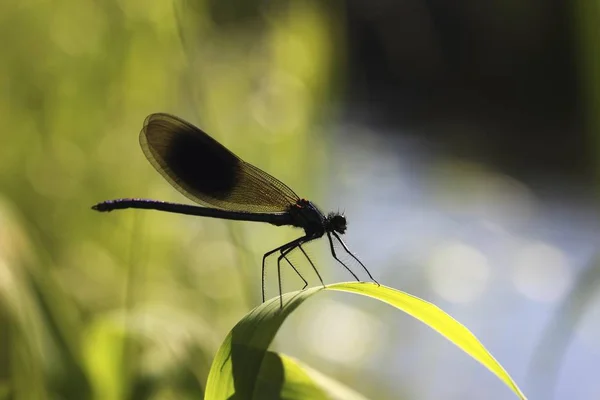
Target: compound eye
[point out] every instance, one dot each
(339, 223)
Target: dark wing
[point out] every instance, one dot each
(206, 172)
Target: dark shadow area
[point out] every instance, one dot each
(487, 81)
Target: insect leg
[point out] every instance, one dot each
(353, 256)
(338, 260)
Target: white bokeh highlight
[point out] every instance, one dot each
(541, 272)
(458, 272)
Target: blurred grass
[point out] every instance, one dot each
(133, 305)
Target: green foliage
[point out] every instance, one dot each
(116, 306)
(243, 363)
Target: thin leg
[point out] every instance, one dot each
(338, 260)
(353, 256)
(284, 254)
(279, 282)
(299, 245)
(311, 263)
(286, 246)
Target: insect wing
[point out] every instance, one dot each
(208, 173)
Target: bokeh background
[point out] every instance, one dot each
(460, 138)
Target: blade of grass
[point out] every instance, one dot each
(237, 365)
(301, 381)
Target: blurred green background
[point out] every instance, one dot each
(134, 304)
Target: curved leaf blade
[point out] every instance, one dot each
(236, 368)
(438, 320)
(301, 381)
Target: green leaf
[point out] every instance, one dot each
(438, 320)
(237, 370)
(300, 381)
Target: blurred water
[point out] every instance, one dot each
(483, 246)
